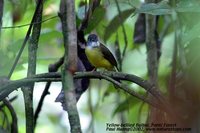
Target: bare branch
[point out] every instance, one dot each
(32, 58)
(129, 90)
(56, 77)
(68, 20)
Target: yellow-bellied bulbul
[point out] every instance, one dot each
(98, 54)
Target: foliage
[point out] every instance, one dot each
(183, 30)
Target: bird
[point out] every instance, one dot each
(99, 55)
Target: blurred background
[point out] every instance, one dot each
(101, 103)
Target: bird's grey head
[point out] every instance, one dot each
(93, 41)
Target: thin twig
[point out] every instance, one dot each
(14, 127)
(123, 29)
(1, 15)
(165, 28)
(130, 91)
(174, 61)
(25, 39)
(140, 112)
(86, 6)
(10, 100)
(5, 120)
(92, 5)
(52, 68)
(24, 25)
(119, 59)
(39, 107)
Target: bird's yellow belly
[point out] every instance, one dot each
(96, 58)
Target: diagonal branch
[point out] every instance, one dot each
(52, 68)
(25, 39)
(130, 91)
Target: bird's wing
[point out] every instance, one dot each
(108, 55)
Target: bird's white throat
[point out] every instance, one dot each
(93, 44)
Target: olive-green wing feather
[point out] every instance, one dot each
(108, 55)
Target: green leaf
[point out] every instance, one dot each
(115, 23)
(81, 12)
(109, 90)
(46, 34)
(5, 64)
(161, 8)
(15, 46)
(126, 105)
(187, 6)
(193, 33)
(96, 18)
